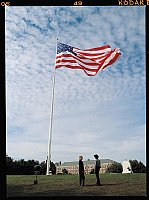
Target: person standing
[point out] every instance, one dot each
(81, 171)
(97, 169)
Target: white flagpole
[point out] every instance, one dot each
(51, 120)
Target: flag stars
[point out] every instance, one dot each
(64, 47)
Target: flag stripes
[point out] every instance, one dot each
(90, 60)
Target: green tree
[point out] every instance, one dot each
(9, 164)
(9, 161)
(142, 167)
(44, 167)
(137, 167)
(29, 168)
(115, 168)
(20, 167)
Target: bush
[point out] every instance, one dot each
(115, 168)
(92, 171)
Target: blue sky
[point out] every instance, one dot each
(104, 114)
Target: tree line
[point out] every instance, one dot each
(22, 167)
(137, 167)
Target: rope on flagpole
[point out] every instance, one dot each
(51, 120)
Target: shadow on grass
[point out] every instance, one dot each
(105, 184)
(85, 186)
(88, 185)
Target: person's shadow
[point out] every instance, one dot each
(89, 185)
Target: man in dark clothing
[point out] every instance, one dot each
(81, 171)
(97, 168)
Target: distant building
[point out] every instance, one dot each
(89, 165)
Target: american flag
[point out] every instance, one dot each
(90, 60)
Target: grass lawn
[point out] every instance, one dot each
(68, 185)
